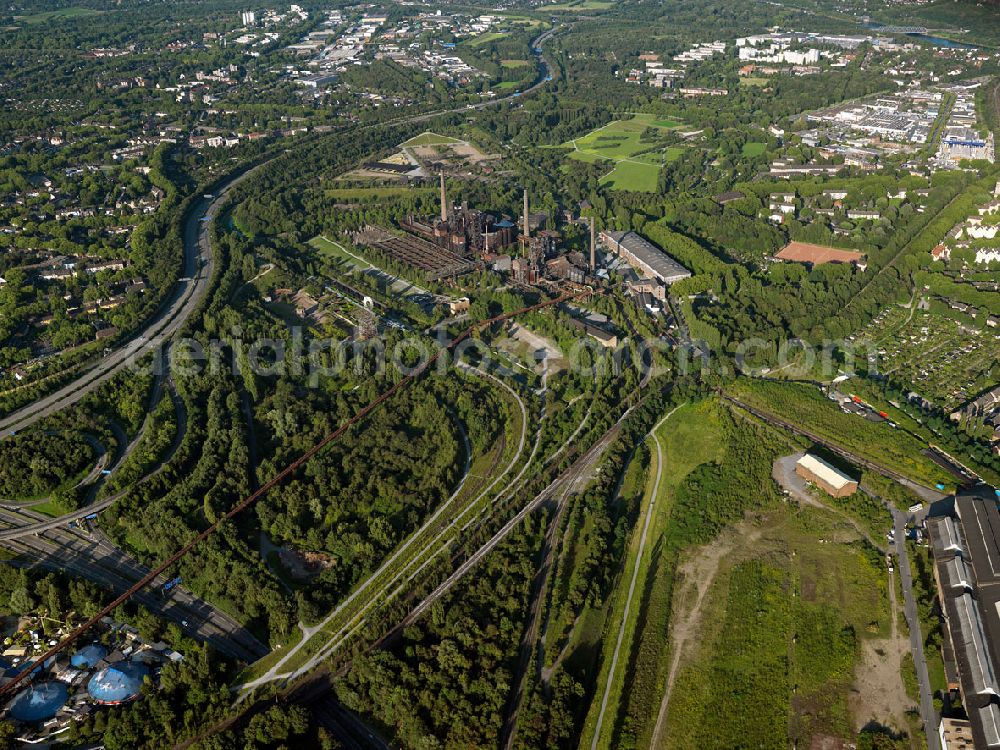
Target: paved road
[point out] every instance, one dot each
(927, 712)
(90, 554)
(64, 553)
(191, 289)
(185, 298)
(784, 473)
(32, 525)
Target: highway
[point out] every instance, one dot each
(52, 543)
(88, 553)
(199, 263)
(32, 525)
(185, 298)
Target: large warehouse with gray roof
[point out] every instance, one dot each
(644, 256)
(966, 551)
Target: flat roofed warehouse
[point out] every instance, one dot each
(956, 734)
(830, 479)
(966, 551)
(644, 256)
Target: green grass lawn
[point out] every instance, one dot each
(754, 81)
(620, 141)
(781, 628)
(579, 5)
(429, 139)
(690, 438)
(55, 15)
(807, 408)
(486, 38)
(515, 63)
(506, 85)
(754, 148)
(635, 176)
(51, 508)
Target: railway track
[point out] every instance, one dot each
(842, 452)
(9, 688)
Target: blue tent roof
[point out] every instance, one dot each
(117, 683)
(88, 656)
(25, 666)
(39, 702)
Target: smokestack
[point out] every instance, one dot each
(593, 246)
(444, 200)
(526, 232)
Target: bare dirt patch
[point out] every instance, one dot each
(878, 693)
(694, 579)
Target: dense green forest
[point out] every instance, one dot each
(33, 464)
(102, 160)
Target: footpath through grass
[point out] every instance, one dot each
(689, 438)
(781, 628)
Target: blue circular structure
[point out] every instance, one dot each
(88, 656)
(39, 702)
(117, 683)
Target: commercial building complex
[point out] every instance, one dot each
(963, 142)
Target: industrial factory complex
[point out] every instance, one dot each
(965, 545)
(463, 239)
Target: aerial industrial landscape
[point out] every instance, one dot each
(542, 374)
